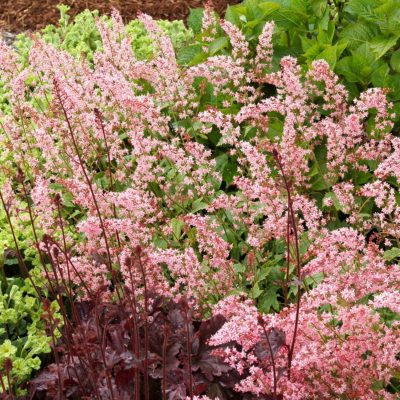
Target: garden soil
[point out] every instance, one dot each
(31, 15)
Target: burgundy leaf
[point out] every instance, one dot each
(276, 339)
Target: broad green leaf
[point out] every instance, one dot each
(263, 272)
(380, 45)
(395, 61)
(318, 7)
(269, 299)
(313, 52)
(268, 7)
(256, 291)
(324, 23)
(394, 93)
(380, 77)
(221, 162)
(195, 20)
(239, 268)
(359, 66)
(177, 226)
(325, 34)
(344, 67)
(160, 242)
(252, 10)
(218, 44)
(188, 54)
(232, 15)
(358, 33)
(391, 254)
(229, 171)
(329, 55)
(198, 205)
(361, 8)
(307, 43)
(319, 182)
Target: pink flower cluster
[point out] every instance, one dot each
(344, 348)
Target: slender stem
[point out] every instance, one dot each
(21, 262)
(146, 329)
(53, 339)
(102, 345)
(101, 124)
(3, 387)
(189, 353)
(291, 215)
(9, 384)
(136, 334)
(285, 295)
(272, 361)
(164, 364)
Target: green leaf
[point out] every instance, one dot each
(359, 66)
(229, 171)
(268, 300)
(177, 226)
(268, 7)
(232, 15)
(198, 205)
(358, 33)
(380, 77)
(332, 196)
(395, 89)
(256, 291)
(318, 7)
(252, 10)
(195, 20)
(239, 268)
(329, 55)
(319, 182)
(160, 242)
(235, 14)
(307, 43)
(395, 61)
(380, 45)
(324, 23)
(221, 161)
(361, 8)
(325, 35)
(187, 55)
(391, 254)
(218, 44)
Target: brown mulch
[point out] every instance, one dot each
(31, 15)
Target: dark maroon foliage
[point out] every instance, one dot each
(97, 357)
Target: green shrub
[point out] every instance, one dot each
(358, 38)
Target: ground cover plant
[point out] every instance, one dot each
(80, 36)
(210, 227)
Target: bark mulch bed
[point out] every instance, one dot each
(31, 15)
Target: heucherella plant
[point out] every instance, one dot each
(237, 188)
(79, 36)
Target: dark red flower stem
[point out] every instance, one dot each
(164, 364)
(146, 326)
(189, 350)
(275, 394)
(291, 218)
